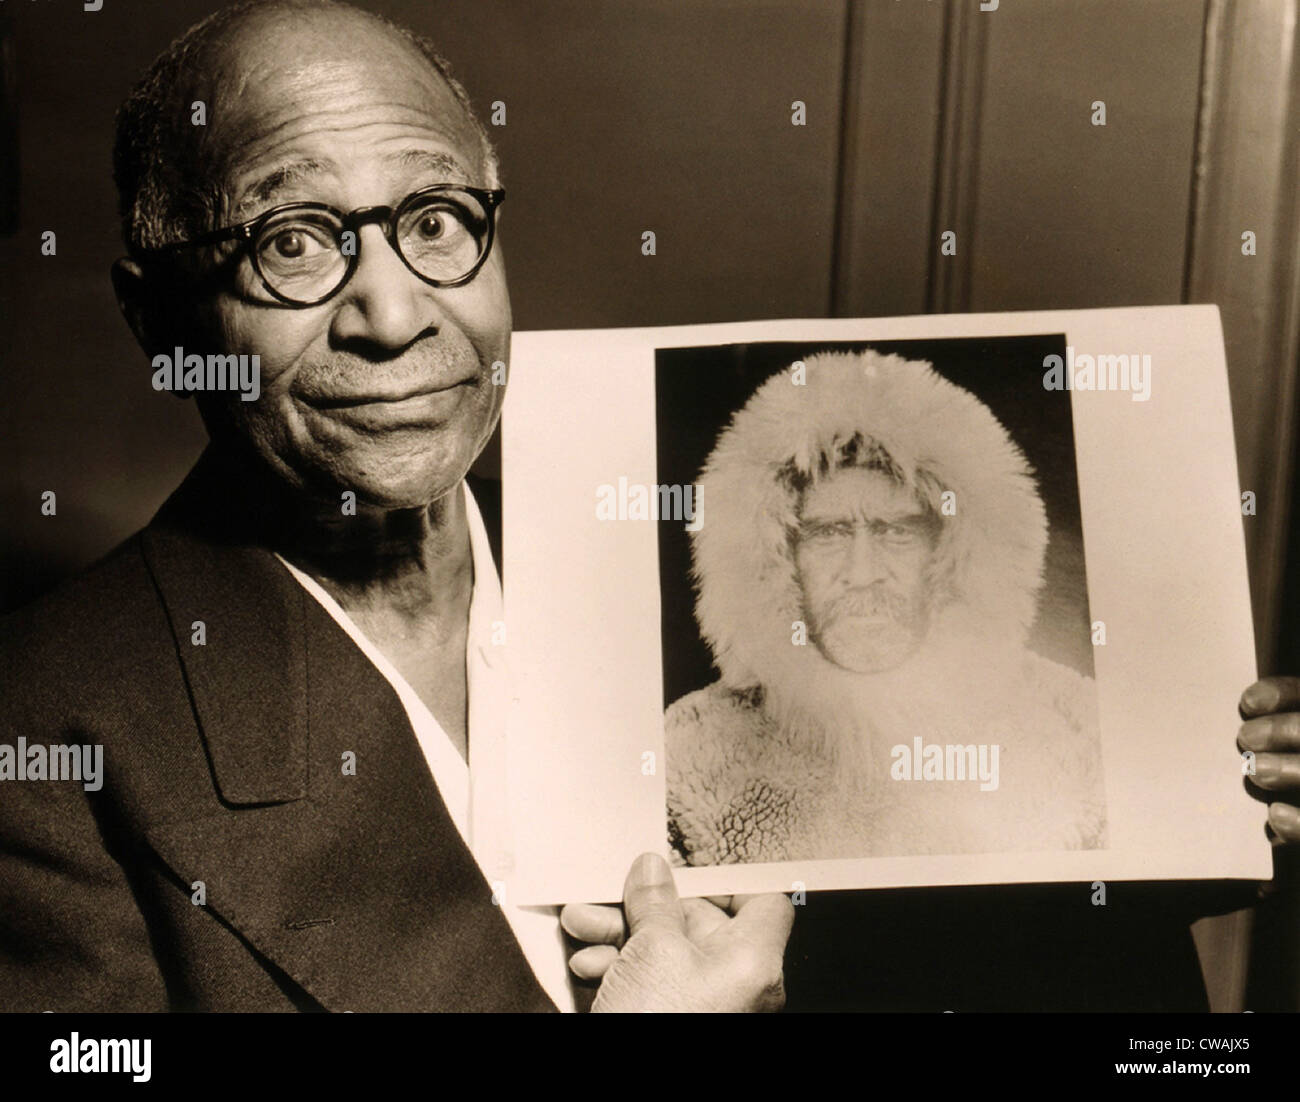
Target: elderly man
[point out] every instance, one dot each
(875, 533)
(290, 670)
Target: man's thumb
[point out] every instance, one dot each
(650, 897)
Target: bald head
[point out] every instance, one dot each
(254, 65)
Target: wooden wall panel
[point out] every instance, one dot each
(894, 76)
(1068, 214)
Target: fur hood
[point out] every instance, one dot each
(788, 756)
(748, 597)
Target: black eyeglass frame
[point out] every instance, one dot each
(385, 216)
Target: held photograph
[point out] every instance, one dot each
(873, 603)
(888, 581)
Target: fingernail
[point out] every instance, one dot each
(1260, 697)
(651, 869)
(1283, 813)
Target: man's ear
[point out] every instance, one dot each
(140, 306)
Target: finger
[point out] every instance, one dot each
(1274, 732)
(594, 923)
(1271, 694)
(650, 897)
(703, 917)
(1276, 772)
(1285, 821)
(592, 962)
(766, 920)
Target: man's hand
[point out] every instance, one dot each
(681, 955)
(1271, 710)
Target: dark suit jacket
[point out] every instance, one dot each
(223, 764)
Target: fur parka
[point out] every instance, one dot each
(791, 757)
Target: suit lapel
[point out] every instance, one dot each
(248, 676)
(353, 881)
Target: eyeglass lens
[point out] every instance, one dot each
(301, 253)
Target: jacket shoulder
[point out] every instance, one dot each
(710, 728)
(95, 654)
(1071, 694)
(69, 629)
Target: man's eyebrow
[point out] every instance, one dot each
(911, 520)
(277, 180)
(266, 187)
(875, 516)
(442, 164)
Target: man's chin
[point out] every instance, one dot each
(402, 482)
(855, 657)
(418, 494)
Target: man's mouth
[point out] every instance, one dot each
(376, 396)
(410, 407)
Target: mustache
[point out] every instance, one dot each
(433, 353)
(345, 373)
(870, 603)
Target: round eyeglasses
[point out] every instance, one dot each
(304, 253)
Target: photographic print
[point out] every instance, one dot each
(888, 578)
(876, 603)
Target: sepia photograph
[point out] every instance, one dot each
(891, 590)
(874, 603)
(648, 507)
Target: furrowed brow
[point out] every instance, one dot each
(443, 165)
(910, 520)
(267, 187)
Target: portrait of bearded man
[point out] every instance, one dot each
(866, 579)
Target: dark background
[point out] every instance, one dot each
(698, 389)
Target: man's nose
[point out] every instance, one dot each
(384, 302)
(864, 561)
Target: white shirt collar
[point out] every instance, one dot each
(475, 792)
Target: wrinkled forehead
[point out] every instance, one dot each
(328, 89)
(859, 493)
